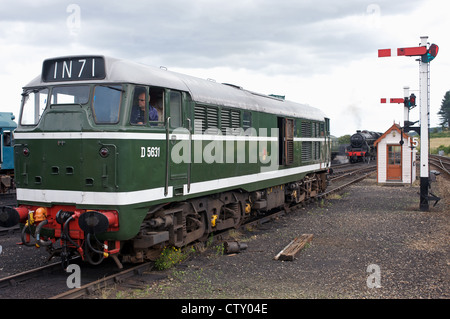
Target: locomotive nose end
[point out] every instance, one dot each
(9, 216)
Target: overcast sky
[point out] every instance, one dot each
(322, 52)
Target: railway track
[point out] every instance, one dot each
(135, 276)
(346, 170)
(347, 174)
(442, 163)
(124, 278)
(53, 282)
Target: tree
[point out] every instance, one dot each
(444, 112)
(345, 139)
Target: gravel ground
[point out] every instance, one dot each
(15, 258)
(366, 225)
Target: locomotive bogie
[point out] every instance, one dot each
(203, 158)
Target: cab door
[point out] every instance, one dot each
(286, 141)
(179, 142)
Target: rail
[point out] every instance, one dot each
(441, 162)
(102, 282)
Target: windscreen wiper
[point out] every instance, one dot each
(113, 88)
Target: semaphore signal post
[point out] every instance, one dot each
(426, 54)
(409, 102)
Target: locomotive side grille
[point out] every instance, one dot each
(225, 120)
(212, 119)
(316, 150)
(206, 118)
(200, 119)
(289, 152)
(313, 150)
(306, 151)
(230, 119)
(235, 119)
(306, 129)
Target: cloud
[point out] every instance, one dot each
(257, 35)
(203, 31)
(298, 48)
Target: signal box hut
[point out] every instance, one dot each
(396, 157)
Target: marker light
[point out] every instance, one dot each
(40, 214)
(104, 152)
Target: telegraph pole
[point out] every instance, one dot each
(427, 54)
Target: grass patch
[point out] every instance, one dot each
(338, 195)
(439, 143)
(171, 256)
(335, 196)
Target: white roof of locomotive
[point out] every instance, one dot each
(201, 91)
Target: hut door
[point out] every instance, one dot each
(394, 163)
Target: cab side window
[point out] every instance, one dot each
(138, 110)
(175, 109)
(147, 106)
(157, 104)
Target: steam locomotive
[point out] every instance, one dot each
(361, 147)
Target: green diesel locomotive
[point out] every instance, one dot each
(115, 158)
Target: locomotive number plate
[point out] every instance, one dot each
(150, 151)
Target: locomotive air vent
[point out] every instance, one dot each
(233, 85)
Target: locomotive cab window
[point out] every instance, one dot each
(175, 109)
(147, 106)
(70, 95)
(106, 104)
(34, 102)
